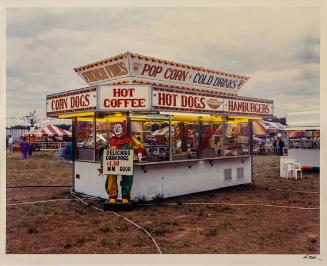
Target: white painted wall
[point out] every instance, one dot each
(167, 179)
(307, 157)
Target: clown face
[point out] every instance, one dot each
(118, 129)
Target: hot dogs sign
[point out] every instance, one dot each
(145, 68)
(182, 101)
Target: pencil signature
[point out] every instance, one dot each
(311, 257)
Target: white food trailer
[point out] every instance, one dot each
(179, 112)
(303, 130)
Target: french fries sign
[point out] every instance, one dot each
(118, 162)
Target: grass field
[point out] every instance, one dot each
(67, 226)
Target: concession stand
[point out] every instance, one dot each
(195, 128)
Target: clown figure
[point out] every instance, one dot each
(121, 141)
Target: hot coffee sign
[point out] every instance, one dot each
(73, 101)
(124, 98)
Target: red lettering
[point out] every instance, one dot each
(106, 103)
(175, 74)
(87, 100)
(146, 68)
(124, 103)
(161, 99)
(183, 101)
(202, 101)
(153, 70)
(59, 104)
(167, 99)
(142, 102)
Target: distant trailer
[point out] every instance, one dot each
(304, 138)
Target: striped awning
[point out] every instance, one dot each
(49, 131)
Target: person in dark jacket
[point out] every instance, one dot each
(30, 149)
(275, 147)
(281, 146)
(68, 152)
(24, 146)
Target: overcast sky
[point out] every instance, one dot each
(277, 47)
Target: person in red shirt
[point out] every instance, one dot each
(121, 141)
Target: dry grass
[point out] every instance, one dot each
(70, 227)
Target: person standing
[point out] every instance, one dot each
(275, 146)
(24, 146)
(10, 143)
(281, 146)
(30, 149)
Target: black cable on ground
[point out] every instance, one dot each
(39, 186)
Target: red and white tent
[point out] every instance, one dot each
(49, 131)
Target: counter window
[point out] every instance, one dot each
(185, 138)
(85, 138)
(153, 131)
(212, 137)
(236, 138)
(165, 137)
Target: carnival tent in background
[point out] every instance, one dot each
(49, 131)
(258, 129)
(272, 127)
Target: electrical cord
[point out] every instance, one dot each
(38, 186)
(34, 202)
(121, 216)
(229, 204)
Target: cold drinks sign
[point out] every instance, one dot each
(133, 66)
(175, 73)
(81, 100)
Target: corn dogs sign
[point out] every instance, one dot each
(74, 101)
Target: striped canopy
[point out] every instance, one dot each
(258, 129)
(49, 131)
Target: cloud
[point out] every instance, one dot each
(277, 47)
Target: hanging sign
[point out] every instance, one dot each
(118, 162)
(166, 99)
(72, 101)
(105, 70)
(176, 73)
(124, 98)
(248, 107)
(133, 66)
(186, 102)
